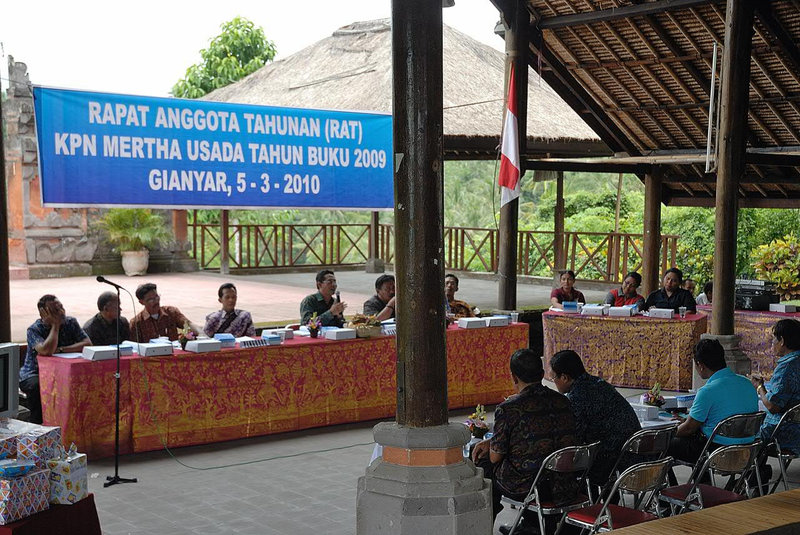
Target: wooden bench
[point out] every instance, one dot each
(776, 514)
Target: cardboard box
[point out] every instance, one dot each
(497, 321)
(645, 412)
(620, 311)
(665, 313)
(685, 401)
(100, 352)
(38, 443)
(337, 334)
(593, 310)
(23, 496)
(204, 345)
(154, 349)
(572, 307)
(777, 307)
(69, 479)
(471, 323)
(287, 333)
(225, 339)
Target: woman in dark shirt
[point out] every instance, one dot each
(567, 291)
(671, 295)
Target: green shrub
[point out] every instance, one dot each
(134, 229)
(779, 262)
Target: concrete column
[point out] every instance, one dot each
(652, 230)
(421, 484)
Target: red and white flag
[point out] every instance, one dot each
(509, 151)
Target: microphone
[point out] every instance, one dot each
(100, 278)
(338, 297)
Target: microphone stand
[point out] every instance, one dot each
(113, 480)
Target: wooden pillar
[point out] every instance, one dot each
(374, 264)
(180, 227)
(419, 215)
(652, 229)
(224, 253)
(5, 290)
(559, 252)
(517, 47)
(734, 105)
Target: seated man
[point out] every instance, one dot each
(156, 321)
(528, 426)
(723, 395)
(381, 305)
(707, 296)
(102, 327)
(689, 285)
(601, 413)
(229, 319)
(459, 309)
(325, 303)
(671, 295)
(53, 332)
(782, 391)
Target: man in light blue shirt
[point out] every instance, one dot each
(723, 395)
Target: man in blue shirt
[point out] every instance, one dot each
(782, 392)
(723, 395)
(53, 332)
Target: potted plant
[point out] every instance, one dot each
(132, 232)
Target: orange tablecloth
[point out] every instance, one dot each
(755, 328)
(189, 398)
(634, 352)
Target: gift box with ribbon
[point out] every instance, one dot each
(69, 479)
(24, 495)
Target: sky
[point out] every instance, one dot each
(144, 47)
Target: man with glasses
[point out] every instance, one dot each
(325, 302)
(156, 321)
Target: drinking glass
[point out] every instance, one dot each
(514, 317)
(682, 311)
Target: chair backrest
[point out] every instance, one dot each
(571, 459)
(791, 416)
(643, 477)
(731, 460)
(653, 441)
(739, 425)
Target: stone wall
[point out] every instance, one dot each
(54, 242)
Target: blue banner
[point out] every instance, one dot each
(122, 150)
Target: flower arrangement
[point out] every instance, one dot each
(653, 396)
(185, 334)
(477, 422)
(314, 325)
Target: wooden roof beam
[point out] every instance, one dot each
(746, 179)
(589, 17)
(584, 166)
(766, 15)
(679, 199)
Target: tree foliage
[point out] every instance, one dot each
(239, 50)
(779, 262)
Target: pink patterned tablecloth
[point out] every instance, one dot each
(755, 328)
(634, 352)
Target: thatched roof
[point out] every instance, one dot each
(639, 72)
(352, 70)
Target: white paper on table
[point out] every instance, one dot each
(68, 355)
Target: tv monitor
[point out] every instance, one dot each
(9, 380)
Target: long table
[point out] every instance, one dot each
(634, 352)
(755, 329)
(187, 398)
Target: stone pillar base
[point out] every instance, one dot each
(737, 360)
(375, 265)
(422, 484)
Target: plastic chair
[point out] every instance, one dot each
(649, 444)
(785, 458)
(733, 460)
(642, 481)
(738, 426)
(571, 463)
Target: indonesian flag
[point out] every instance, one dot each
(509, 152)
